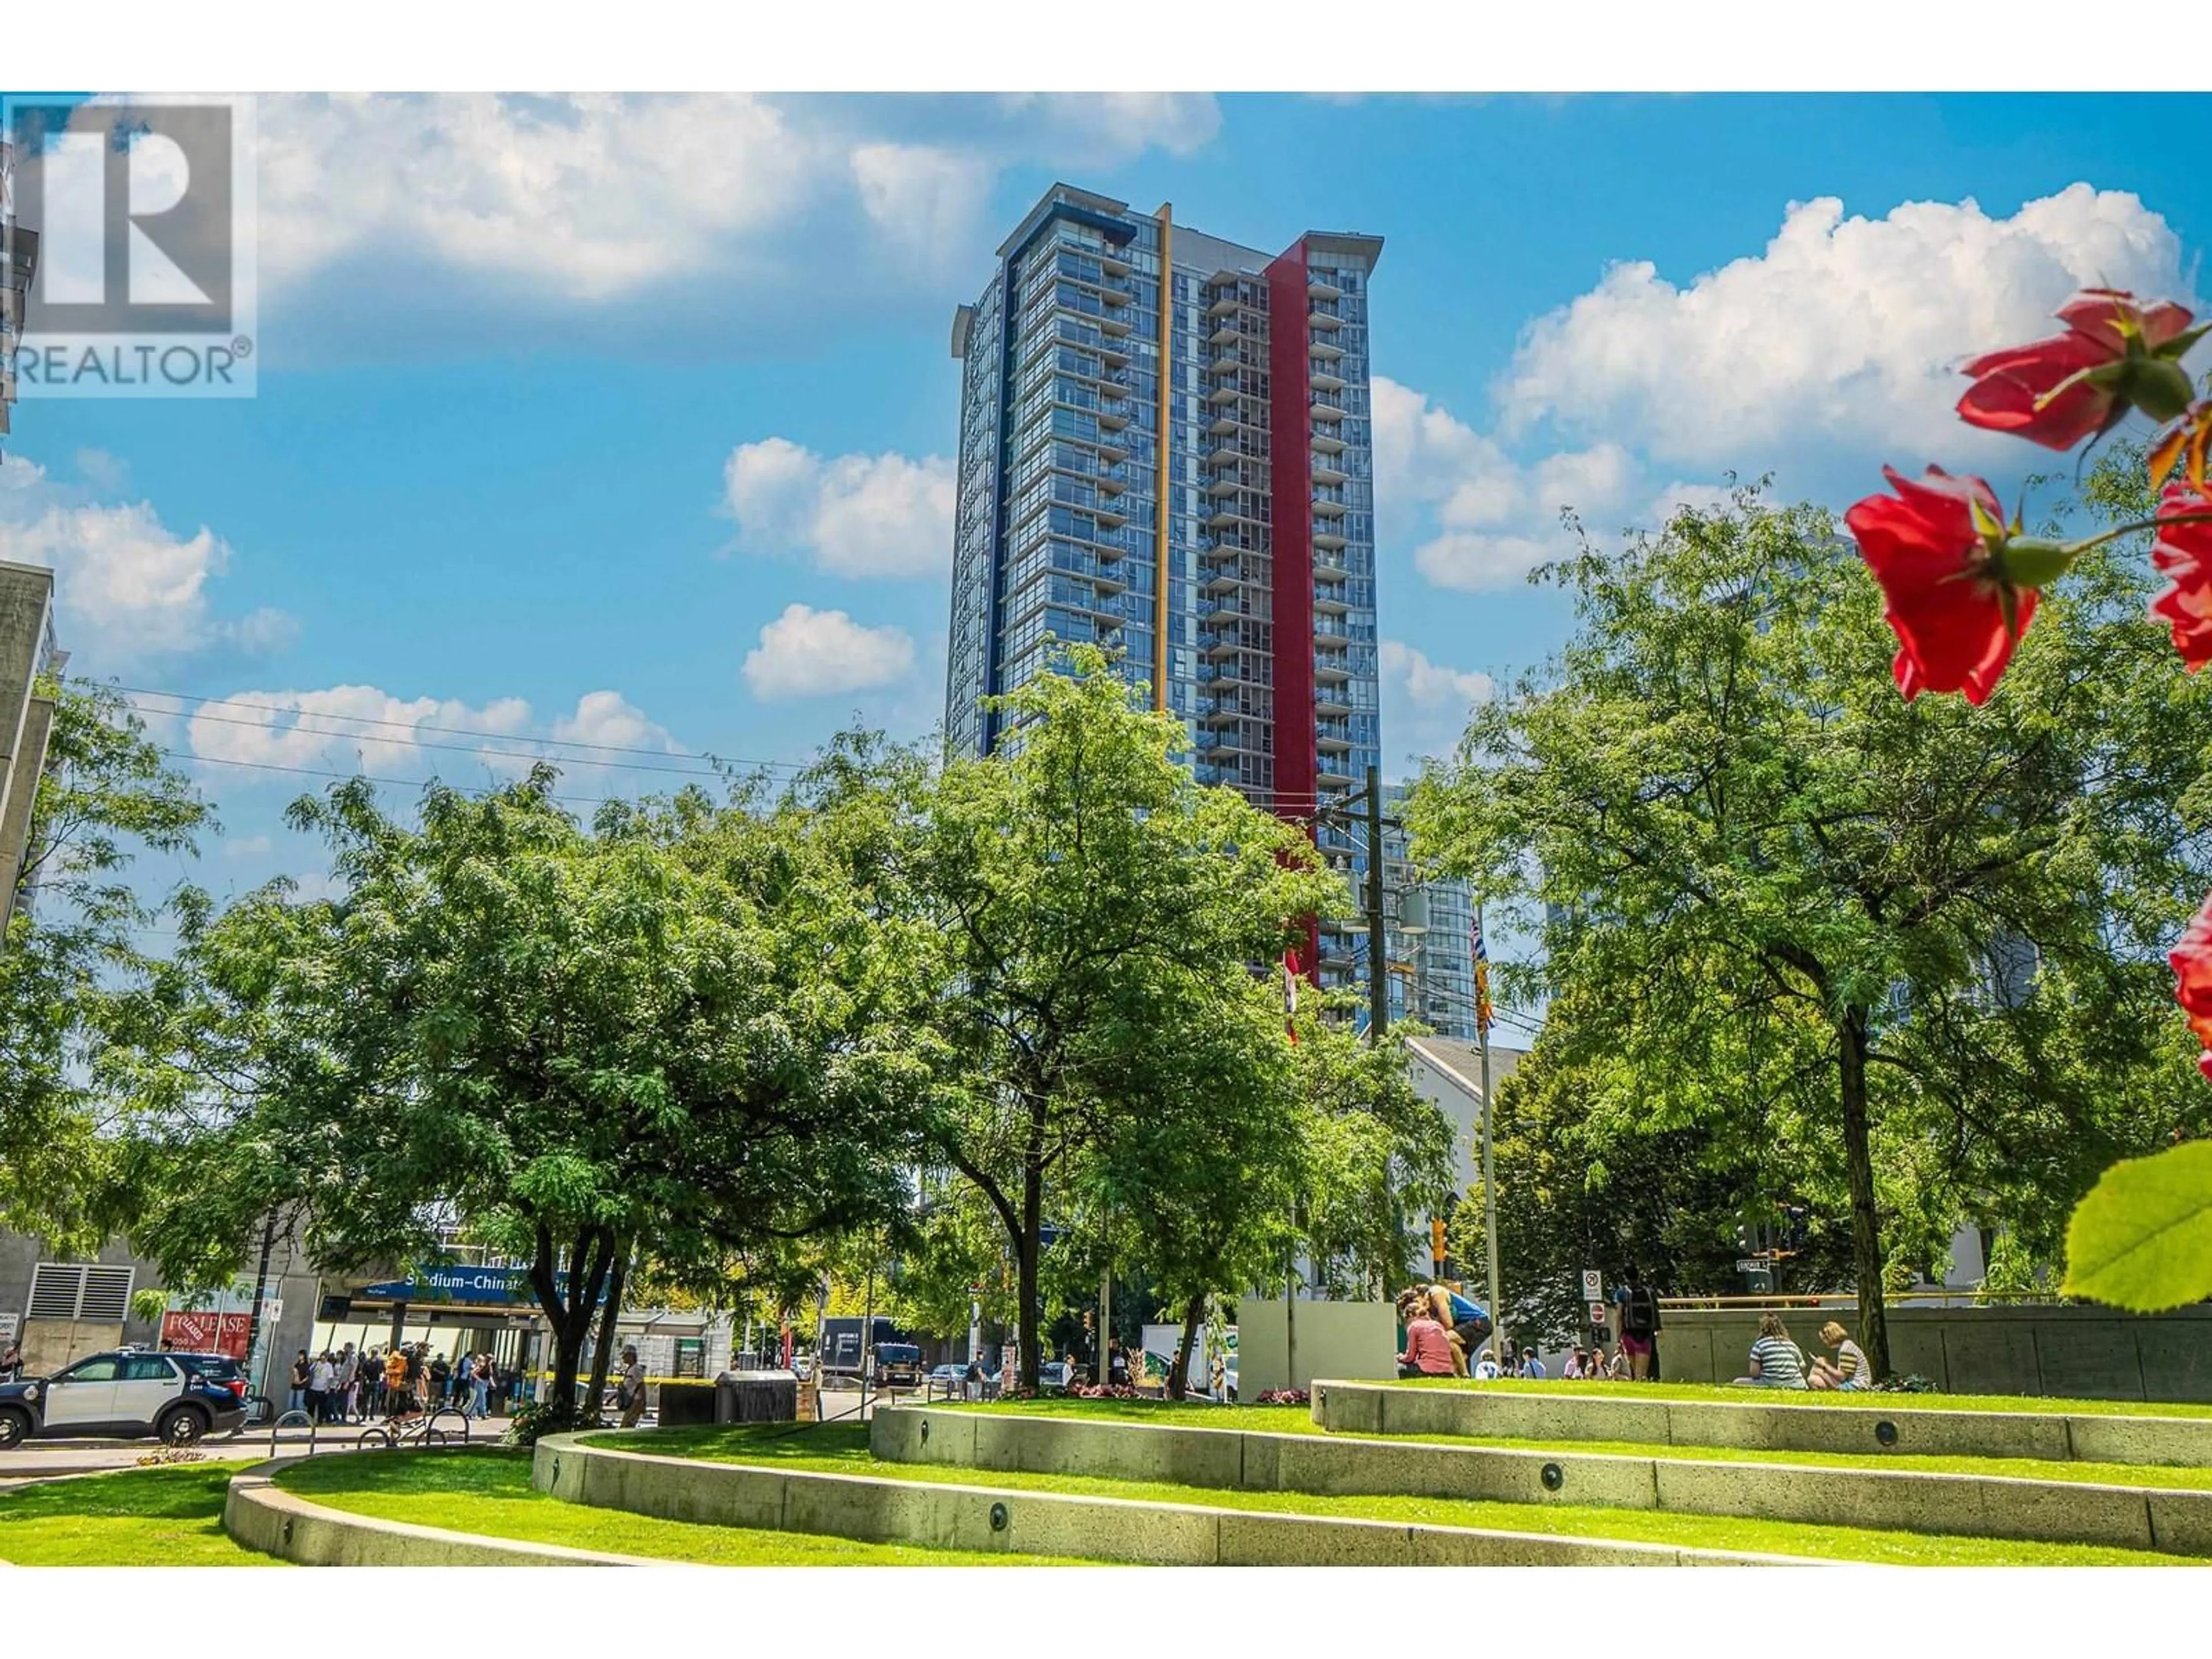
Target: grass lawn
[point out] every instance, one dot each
(489, 1492)
(161, 1517)
(1706, 1392)
(844, 1450)
(1278, 1419)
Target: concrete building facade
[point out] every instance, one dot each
(1447, 1073)
(26, 651)
(19, 259)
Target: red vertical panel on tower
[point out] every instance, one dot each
(1290, 481)
(1291, 472)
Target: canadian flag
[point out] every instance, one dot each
(1291, 994)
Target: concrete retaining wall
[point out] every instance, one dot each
(2048, 1351)
(1757, 1425)
(262, 1516)
(984, 1518)
(1899, 1500)
(1283, 1345)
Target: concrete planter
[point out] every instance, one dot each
(984, 1518)
(1761, 1425)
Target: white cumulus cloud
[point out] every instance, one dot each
(805, 653)
(364, 728)
(1484, 520)
(586, 198)
(1431, 684)
(1426, 703)
(854, 515)
(128, 589)
(1844, 329)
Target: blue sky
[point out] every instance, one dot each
(565, 406)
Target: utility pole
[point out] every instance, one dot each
(1489, 1173)
(1369, 801)
(1378, 967)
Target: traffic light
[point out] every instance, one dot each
(1743, 1240)
(1796, 1216)
(1437, 1239)
(1090, 1321)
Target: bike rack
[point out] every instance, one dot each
(292, 1419)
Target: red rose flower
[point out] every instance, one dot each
(2192, 973)
(2183, 552)
(1937, 547)
(2115, 355)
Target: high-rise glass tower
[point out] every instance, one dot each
(1166, 447)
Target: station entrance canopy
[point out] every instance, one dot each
(444, 1295)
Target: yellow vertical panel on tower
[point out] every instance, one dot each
(1166, 217)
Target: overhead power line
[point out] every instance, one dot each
(458, 748)
(411, 726)
(368, 777)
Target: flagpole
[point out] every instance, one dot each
(1489, 1176)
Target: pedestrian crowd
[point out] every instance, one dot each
(350, 1387)
(1448, 1335)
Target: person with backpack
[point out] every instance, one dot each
(398, 1374)
(1469, 1324)
(1639, 1323)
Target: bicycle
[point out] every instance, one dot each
(419, 1432)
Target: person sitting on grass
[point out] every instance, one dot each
(1428, 1349)
(1776, 1361)
(1849, 1371)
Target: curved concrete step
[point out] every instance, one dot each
(1762, 1424)
(2175, 1521)
(262, 1515)
(981, 1517)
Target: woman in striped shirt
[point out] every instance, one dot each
(1776, 1361)
(1849, 1370)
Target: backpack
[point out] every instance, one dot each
(1639, 1315)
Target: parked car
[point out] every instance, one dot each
(127, 1393)
(948, 1377)
(1053, 1375)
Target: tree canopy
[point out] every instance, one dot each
(1910, 937)
(75, 950)
(1089, 895)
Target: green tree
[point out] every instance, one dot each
(1203, 1184)
(1082, 881)
(1911, 924)
(651, 1047)
(1592, 1173)
(75, 949)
